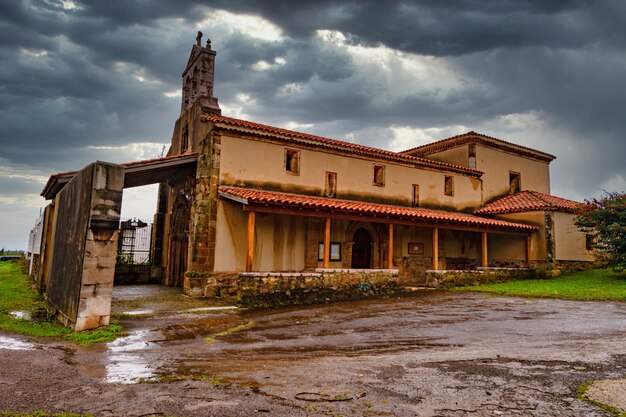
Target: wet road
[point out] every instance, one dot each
(429, 355)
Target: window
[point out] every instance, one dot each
(330, 189)
(379, 175)
(471, 155)
(335, 251)
(416, 195)
(514, 182)
(292, 161)
(448, 188)
(184, 139)
(589, 242)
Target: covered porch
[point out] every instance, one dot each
(292, 233)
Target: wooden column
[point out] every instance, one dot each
(435, 248)
(485, 259)
(527, 252)
(250, 252)
(327, 243)
(390, 249)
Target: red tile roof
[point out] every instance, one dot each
(298, 201)
(473, 137)
(354, 148)
(529, 201)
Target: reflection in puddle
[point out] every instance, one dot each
(10, 343)
(126, 367)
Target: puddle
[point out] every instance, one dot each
(10, 343)
(139, 312)
(127, 369)
(201, 309)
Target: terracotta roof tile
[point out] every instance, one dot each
(529, 201)
(298, 201)
(473, 137)
(340, 145)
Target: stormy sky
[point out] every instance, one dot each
(100, 80)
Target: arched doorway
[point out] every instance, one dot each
(362, 249)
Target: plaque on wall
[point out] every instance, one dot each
(416, 248)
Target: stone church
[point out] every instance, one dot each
(245, 206)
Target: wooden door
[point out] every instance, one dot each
(362, 250)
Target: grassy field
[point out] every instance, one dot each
(17, 294)
(595, 284)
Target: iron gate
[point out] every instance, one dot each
(133, 252)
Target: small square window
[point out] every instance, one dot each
(292, 161)
(515, 184)
(416, 195)
(330, 189)
(335, 251)
(379, 175)
(589, 242)
(449, 185)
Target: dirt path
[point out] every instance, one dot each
(429, 355)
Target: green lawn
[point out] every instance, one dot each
(17, 294)
(595, 284)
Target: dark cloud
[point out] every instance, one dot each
(79, 83)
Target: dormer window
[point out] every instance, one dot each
(292, 161)
(515, 185)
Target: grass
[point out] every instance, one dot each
(595, 284)
(17, 294)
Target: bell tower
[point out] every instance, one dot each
(198, 78)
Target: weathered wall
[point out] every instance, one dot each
(569, 241)
(502, 247)
(85, 245)
(261, 164)
(279, 240)
(448, 279)
(496, 165)
(538, 249)
(458, 156)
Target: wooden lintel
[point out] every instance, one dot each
(360, 217)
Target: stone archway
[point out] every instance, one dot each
(378, 243)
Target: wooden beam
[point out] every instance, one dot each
(327, 243)
(390, 249)
(527, 251)
(372, 219)
(435, 248)
(485, 259)
(250, 251)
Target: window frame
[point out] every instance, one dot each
(320, 252)
(289, 153)
(375, 169)
(327, 189)
(512, 175)
(449, 178)
(415, 202)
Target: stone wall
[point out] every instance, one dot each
(266, 289)
(451, 278)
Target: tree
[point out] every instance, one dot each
(606, 218)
